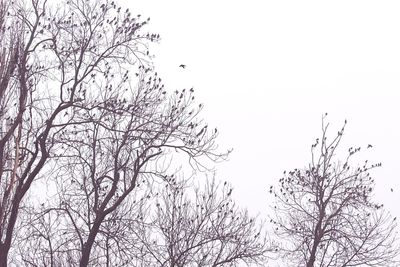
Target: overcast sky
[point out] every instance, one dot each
(267, 71)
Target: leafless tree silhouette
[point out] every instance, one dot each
(200, 227)
(114, 149)
(13, 102)
(77, 113)
(326, 215)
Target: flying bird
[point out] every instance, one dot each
(182, 66)
(369, 146)
(391, 189)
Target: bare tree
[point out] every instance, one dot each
(13, 99)
(326, 215)
(59, 63)
(200, 227)
(118, 147)
(88, 124)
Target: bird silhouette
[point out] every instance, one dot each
(229, 193)
(369, 146)
(391, 189)
(202, 131)
(182, 66)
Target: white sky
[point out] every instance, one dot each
(267, 71)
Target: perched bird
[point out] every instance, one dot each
(229, 193)
(369, 146)
(202, 131)
(182, 66)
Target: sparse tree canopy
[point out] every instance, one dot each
(84, 115)
(325, 213)
(200, 227)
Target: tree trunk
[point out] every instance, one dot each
(87, 247)
(3, 255)
(311, 260)
(316, 241)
